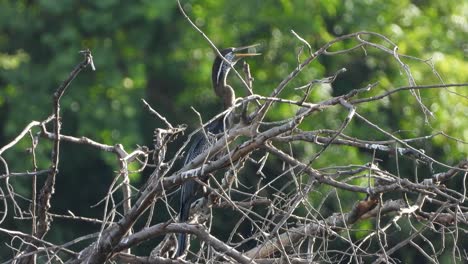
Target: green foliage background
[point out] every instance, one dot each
(146, 49)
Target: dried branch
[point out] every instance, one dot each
(43, 223)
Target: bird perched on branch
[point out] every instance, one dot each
(190, 189)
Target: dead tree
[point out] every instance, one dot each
(290, 227)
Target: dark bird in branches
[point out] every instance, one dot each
(190, 189)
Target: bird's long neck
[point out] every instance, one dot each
(220, 72)
(227, 95)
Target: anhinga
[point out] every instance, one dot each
(190, 189)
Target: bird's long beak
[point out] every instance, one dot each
(248, 54)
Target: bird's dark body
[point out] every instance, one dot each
(191, 190)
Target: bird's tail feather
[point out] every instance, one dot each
(182, 237)
(182, 244)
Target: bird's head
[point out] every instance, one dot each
(221, 68)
